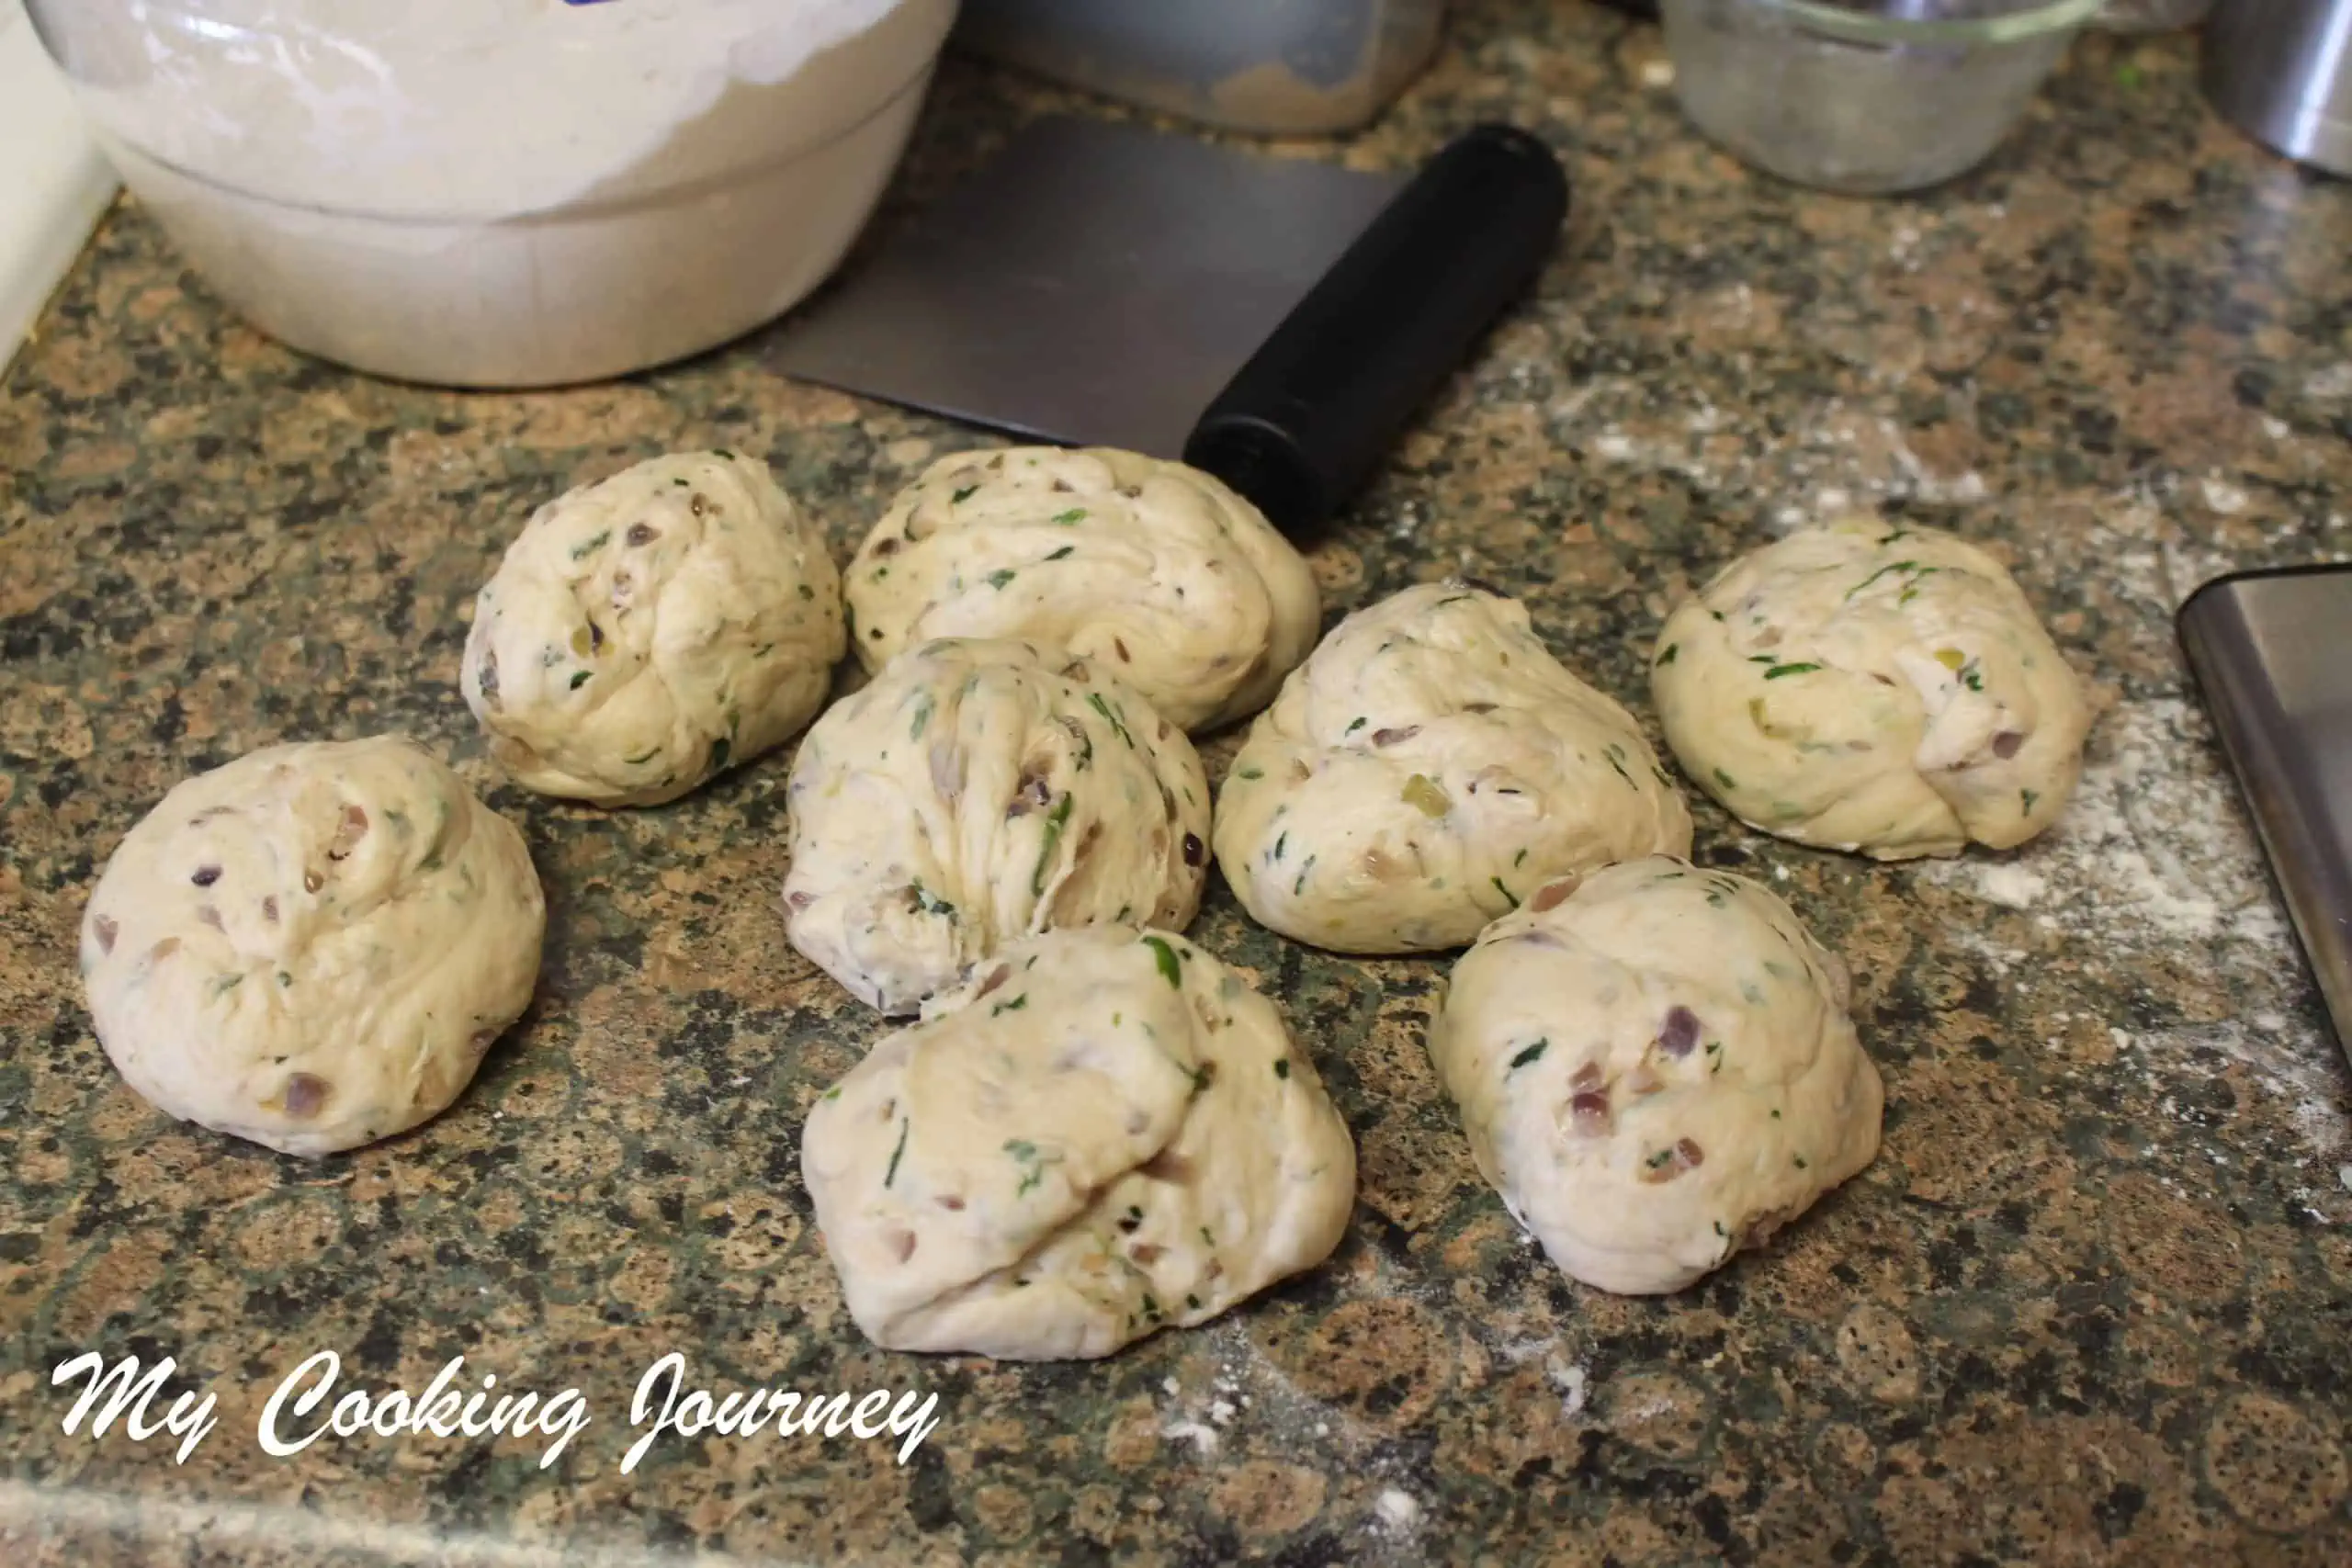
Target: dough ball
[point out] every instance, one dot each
(1655, 1069)
(644, 633)
(1101, 1133)
(980, 791)
(1428, 767)
(1872, 687)
(1154, 570)
(312, 946)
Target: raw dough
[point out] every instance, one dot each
(1101, 1133)
(1424, 771)
(979, 791)
(644, 633)
(1153, 569)
(1655, 1069)
(312, 946)
(1872, 687)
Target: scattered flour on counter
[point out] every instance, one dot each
(2335, 382)
(2009, 885)
(2154, 858)
(2225, 497)
(1570, 1381)
(1398, 1509)
(1200, 1437)
(2302, 1067)
(2152, 850)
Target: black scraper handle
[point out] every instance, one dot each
(1316, 409)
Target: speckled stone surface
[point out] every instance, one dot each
(2090, 1306)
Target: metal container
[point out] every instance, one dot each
(2281, 71)
(1864, 96)
(1279, 67)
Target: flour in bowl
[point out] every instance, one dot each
(506, 192)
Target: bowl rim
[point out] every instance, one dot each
(1859, 26)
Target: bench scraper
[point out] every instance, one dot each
(1275, 322)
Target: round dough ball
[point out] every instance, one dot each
(1655, 1069)
(980, 791)
(1871, 687)
(1156, 572)
(1100, 1134)
(312, 946)
(644, 633)
(1424, 771)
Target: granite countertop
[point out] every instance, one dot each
(2089, 1306)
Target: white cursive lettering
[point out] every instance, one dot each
(128, 1395)
(664, 1405)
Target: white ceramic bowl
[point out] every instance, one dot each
(502, 193)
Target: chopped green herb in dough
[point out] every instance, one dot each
(1666, 657)
(582, 551)
(1015, 1005)
(906, 1124)
(1033, 1164)
(1725, 779)
(1778, 671)
(2026, 797)
(999, 578)
(1064, 552)
(1055, 820)
(1095, 700)
(963, 495)
(579, 678)
(1506, 892)
(1165, 956)
(1282, 1066)
(1075, 515)
(1531, 1053)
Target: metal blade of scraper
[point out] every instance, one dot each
(2268, 649)
(1094, 284)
